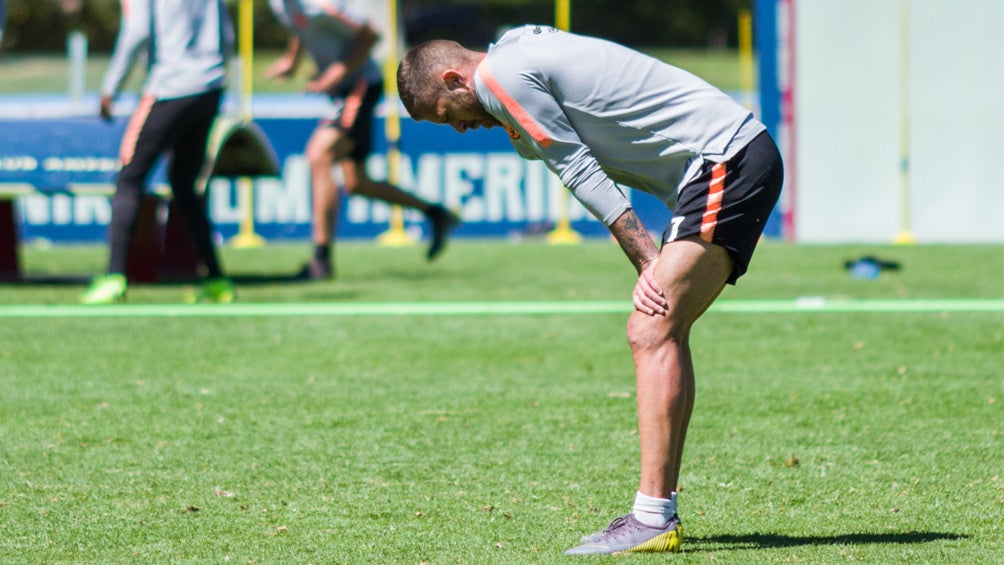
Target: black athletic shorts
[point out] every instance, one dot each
(729, 203)
(353, 115)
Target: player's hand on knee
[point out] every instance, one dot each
(648, 296)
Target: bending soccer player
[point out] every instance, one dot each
(340, 41)
(601, 115)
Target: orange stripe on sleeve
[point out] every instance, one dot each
(716, 190)
(522, 116)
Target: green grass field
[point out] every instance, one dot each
(498, 437)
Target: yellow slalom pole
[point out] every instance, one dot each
(746, 55)
(395, 234)
(246, 236)
(246, 46)
(563, 232)
(905, 236)
(563, 14)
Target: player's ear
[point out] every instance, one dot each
(454, 79)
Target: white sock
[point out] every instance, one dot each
(652, 511)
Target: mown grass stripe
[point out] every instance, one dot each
(802, 305)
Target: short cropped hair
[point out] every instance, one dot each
(418, 75)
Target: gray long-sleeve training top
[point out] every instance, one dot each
(186, 43)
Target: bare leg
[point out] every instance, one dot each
(692, 274)
(321, 156)
(327, 146)
(357, 182)
(441, 220)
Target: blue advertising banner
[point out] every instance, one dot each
(70, 162)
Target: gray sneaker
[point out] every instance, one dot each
(627, 535)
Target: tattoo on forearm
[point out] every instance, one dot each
(634, 239)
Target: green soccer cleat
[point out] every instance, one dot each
(627, 535)
(105, 289)
(216, 291)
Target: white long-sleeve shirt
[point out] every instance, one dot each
(186, 43)
(602, 115)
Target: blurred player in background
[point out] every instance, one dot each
(186, 44)
(340, 41)
(600, 114)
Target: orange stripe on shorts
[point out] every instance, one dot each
(128, 146)
(716, 190)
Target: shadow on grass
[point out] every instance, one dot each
(80, 279)
(328, 291)
(239, 278)
(50, 280)
(769, 541)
